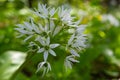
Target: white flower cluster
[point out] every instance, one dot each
(54, 21)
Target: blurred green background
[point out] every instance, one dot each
(99, 61)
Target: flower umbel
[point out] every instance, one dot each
(51, 32)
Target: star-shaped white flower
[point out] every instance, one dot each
(65, 16)
(46, 47)
(45, 12)
(46, 67)
(69, 60)
(29, 29)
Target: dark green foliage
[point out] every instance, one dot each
(99, 61)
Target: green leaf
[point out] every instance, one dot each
(10, 61)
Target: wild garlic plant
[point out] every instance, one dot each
(54, 22)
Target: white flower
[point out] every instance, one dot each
(29, 29)
(46, 47)
(69, 60)
(45, 66)
(45, 12)
(64, 15)
(77, 41)
(42, 11)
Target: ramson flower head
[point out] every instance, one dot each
(41, 35)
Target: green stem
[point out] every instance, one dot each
(29, 57)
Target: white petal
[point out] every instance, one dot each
(78, 22)
(52, 12)
(40, 65)
(57, 30)
(81, 28)
(39, 6)
(45, 55)
(52, 52)
(36, 29)
(45, 10)
(23, 31)
(28, 26)
(73, 60)
(69, 56)
(40, 15)
(20, 35)
(52, 25)
(40, 27)
(44, 71)
(27, 38)
(46, 28)
(54, 45)
(71, 39)
(40, 40)
(73, 52)
(48, 41)
(31, 44)
(49, 67)
(40, 50)
(68, 64)
(20, 26)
